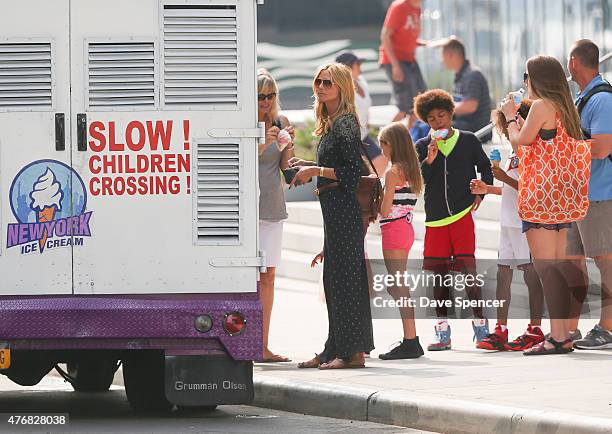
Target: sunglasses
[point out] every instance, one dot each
(326, 83)
(525, 77)
(263, 97)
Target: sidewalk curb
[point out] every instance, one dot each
(392, 407)
(400, 408)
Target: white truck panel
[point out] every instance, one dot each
(166, 207)
(34, 85)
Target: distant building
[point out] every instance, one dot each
(500, 35)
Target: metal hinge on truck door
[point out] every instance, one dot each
(240, 133)
(259, 262)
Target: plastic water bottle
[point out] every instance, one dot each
(517, 96)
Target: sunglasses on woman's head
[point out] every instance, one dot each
(326, 83)
(263, 97)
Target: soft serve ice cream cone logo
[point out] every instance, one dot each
(48, 199)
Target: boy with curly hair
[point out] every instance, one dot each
(449, 162)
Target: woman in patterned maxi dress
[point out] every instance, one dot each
(338, 170)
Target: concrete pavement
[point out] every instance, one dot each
(462, 390)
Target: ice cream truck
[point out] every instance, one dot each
(128, 197)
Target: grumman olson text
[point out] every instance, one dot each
(179, 385)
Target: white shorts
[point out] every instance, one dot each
(513, 248)
(271, 241)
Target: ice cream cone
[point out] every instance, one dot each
(44, 216)
(283, 140)
(495, 157)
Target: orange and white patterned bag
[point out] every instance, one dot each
(554, 179)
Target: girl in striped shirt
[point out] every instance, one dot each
(403, 183)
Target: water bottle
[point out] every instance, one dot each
(517, 96)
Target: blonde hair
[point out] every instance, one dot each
(403, 154)
(265, 81)
(341, 76)
(547, 81)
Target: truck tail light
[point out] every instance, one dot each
(234, 323)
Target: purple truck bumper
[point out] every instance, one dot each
(131, 322)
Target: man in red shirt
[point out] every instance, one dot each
(399, 40)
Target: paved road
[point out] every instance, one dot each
(110, 413)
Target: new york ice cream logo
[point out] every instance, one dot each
(48, 199)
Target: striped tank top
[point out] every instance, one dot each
(404, 201)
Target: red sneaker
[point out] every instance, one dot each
(496, 341)
(531, 337)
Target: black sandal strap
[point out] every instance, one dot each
(559, 346)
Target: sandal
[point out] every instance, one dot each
(558, 348)
(338, 363)
(315, 362)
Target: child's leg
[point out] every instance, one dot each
(467, 266)
(508, 255)
(522, 256)
(504, 282)
(463, 241)
(395, 261)
(398, 237)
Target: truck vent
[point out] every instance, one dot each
(25, 76)
(122, 74)
(218, 193)
(200, 55)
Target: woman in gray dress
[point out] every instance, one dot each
(274, 155)
(338, 168)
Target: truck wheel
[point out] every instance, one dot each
(144, 379)
(92, 375)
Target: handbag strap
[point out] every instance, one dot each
(369, 159)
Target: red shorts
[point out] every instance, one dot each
(450, 247)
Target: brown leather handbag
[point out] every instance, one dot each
(369, 190)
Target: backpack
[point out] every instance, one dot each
(582, 102)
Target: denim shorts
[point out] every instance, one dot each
(551, 227)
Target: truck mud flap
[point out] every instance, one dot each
(208, 380)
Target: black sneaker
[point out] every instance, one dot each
(407, 349)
